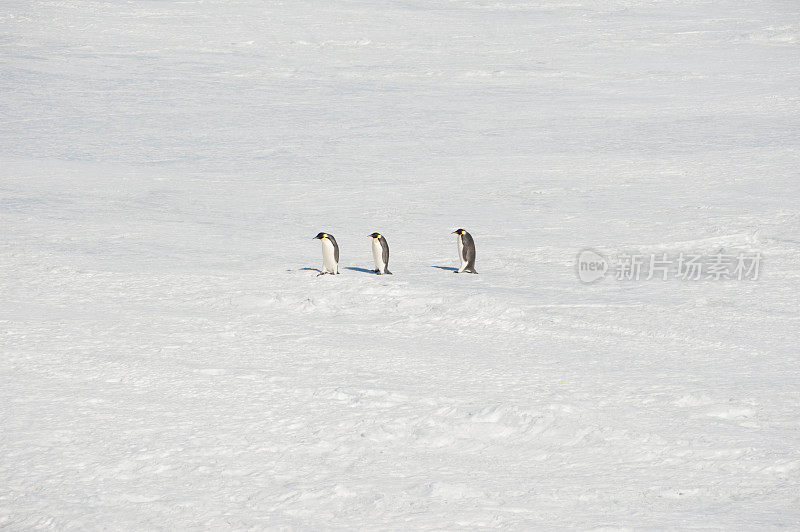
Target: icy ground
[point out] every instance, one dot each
(170, 361)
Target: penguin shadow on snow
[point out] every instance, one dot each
(362, 270)
(309, 270)
(448, 268)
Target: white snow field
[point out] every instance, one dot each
(170, 360)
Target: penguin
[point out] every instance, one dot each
(330, 254)
(466, 251)
(380, 252)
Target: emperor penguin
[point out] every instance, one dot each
(466, 251)
(380, 252)
(330, 254)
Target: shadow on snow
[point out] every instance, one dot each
(362, 270)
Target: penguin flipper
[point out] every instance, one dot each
(470, 257)
(385, 254)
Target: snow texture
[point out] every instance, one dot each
(171, 361)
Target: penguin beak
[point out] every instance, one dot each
(454, 232)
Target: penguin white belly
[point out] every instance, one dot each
(461, 254)
(328, 257)
(377, 254)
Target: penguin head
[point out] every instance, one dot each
(375, 235)
(321, 236)
(458, 232)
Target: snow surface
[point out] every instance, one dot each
(171, 361)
